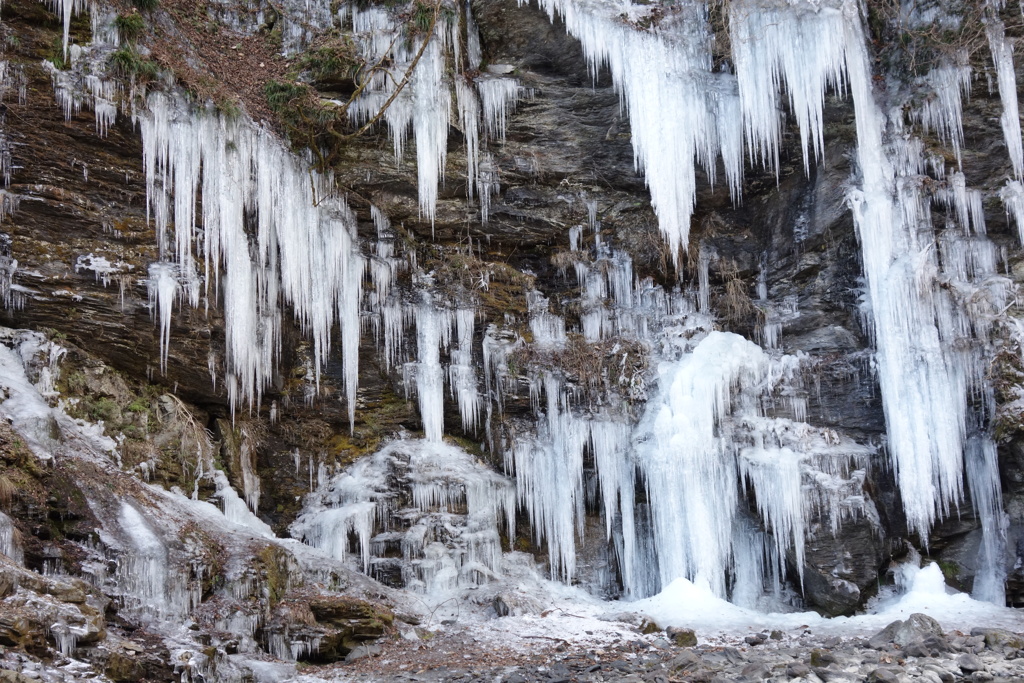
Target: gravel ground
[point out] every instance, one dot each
(458, 655)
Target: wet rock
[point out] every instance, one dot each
(776, 635)
(756, 639)
(683, 637)
(981, 677)
(821, 657)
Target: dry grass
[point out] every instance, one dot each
(735, 303)
(8, 491)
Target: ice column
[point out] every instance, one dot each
(433, 330)
(461, 374)
(9, 545)
(924, 394)
(690, 474)
(986, 494)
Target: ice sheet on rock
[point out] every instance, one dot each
(548, 329)
(236, 509)
(102, 268)
(9, 540)
(451, 531)
(28, 369)
(154, 587)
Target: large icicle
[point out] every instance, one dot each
(667, 70)
(433, 330)
(923, 395)
(1002, 56)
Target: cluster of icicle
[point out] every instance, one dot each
(704, 436)
(302, 252)
(424, 105)
(925, 377)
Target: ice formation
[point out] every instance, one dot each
(304, 252)
(442, 513)
(420, 101)
(705, 104)
(9, 544)
(1002, 56)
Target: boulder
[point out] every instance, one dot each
(998, 637)
(917, 627)
(683, 637)
(515, 604)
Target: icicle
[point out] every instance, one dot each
(163, 291)
(1002, 57)
(776, 43)
(461, 373)
(549, 478)
(944, 113)
(1012, 195)
(498, 97)
(923, 392)
(774, 474)
(66, 9)
(986, 494)
(666, 148)
(433, 329)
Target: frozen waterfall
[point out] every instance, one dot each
(668, 456)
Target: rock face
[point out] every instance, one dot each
(781, 267)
